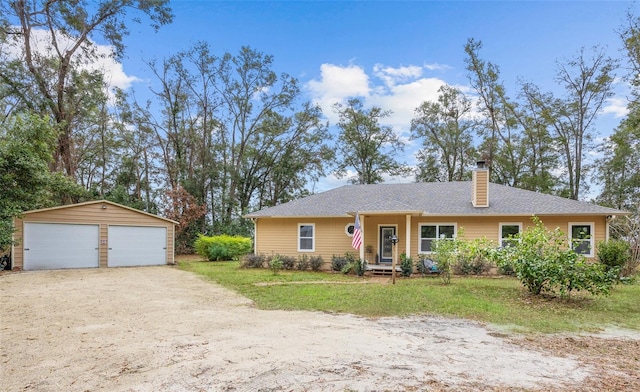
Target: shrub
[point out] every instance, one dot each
(445, 255)
(316, 263)
(288, 262)
(222, 247)
(275, 264)
(545, 263)
(353, 264)
(338, 262)
(473, 257)
(406, 265)
(303, 262)
(614, 253)
(254, 261)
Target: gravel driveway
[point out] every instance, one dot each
(163, 329)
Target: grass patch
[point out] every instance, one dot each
(500, 301)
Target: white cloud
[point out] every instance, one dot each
(437, 67)
(400, 90)
(391, 76)
(616, 106)
(105, 63)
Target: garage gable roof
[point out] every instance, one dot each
(104, 202)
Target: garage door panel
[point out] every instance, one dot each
(56, 246)
(137, 245)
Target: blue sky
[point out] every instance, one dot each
(392, 54)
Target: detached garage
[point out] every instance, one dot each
(94, 234)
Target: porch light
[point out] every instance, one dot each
(394, 239)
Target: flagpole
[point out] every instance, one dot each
(362, 233)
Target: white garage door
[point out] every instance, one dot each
(137, 245)
(53, 246)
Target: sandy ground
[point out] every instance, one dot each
(162, 329)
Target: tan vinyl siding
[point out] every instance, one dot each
(280, 235)
(488, 227)
(480, 188)
(93, 213)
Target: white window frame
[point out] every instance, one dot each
(313, 237)
(591, 238)
(501, 224)
(437, 224)
(346, 229)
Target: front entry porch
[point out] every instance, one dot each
(382, 269)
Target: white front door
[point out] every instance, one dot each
(137, 245)
(58, 245)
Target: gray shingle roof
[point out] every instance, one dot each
(432, 198)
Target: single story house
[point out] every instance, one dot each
(417, 214)
(95, 234)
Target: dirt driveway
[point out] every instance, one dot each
(162, 329)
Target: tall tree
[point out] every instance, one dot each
(56, 81)
(446, 130)
(365, 145)
(506, 143)
(25, 180)
(588, 84)
(617, 172)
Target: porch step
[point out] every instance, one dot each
(381, 269)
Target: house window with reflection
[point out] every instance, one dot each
(431, 232)
(508, 232)
(306, 241)
(581, 237)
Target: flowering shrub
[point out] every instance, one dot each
(545, 263)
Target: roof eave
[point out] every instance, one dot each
(98, 202)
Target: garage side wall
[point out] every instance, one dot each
(103, 214)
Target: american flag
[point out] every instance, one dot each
(356, 242)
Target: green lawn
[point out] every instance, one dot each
(497, 300)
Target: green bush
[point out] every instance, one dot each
(254, 261)
(316, 263)
(614, 253)
(275, 264)
(445, 254)
(303, 262)
(338, 262)
(222, 247)
(545, 263)
(406, 265)
(353, 264)
(288, 262)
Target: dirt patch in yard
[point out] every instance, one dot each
(163, 329)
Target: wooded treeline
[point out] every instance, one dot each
(223, 134)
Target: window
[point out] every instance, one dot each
(349, 229)
(305, 237)
(581, 236)
(430, 233)
(507, 232)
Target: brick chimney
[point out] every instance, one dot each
(480, 186)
